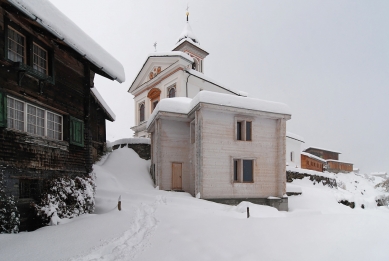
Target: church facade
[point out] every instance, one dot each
(179, 73)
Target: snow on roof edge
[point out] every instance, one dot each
(318, 148)
(294, 136)
(102, 102)
(66, 30)
(183, 105)
(210, 80)
(313, 156)
(128, 141)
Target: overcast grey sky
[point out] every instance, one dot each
(328, 60)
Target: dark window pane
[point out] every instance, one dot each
(141, 112)
(239, 131)
(248, 130)
(235, 170)
(247, 170)
(172, 93)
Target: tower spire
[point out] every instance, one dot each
(187, 12)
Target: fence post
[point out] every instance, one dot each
(248, 212)
(120, 203)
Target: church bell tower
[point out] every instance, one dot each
(189, 43)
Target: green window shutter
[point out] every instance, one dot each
(76, 132)
(3, 109)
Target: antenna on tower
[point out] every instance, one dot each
(187, 12)
(155, 47)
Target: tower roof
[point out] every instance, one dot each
(187, 34)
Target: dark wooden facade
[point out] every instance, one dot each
(26, 159)
(324, 154)
(338, 166)
(311, 163)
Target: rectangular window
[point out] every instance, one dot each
(15, 114)
(243, 170)
(248, 130)
(247, 170)
(28, 188)
(40, 59)
(35, 120)
(23, 116)
(16, 46)
(243, 129)
(235, 170)
(239, 130)
(54, 126)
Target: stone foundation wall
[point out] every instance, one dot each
(290, 176)
(279, 203)
(143, 150)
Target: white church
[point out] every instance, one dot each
(208, 140)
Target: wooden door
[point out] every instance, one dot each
(177, 176)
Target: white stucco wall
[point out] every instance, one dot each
(293, 146)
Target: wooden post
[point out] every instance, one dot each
(120, 203)
(248, 212)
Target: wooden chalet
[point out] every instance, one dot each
(52, 119)
(332, 158)
(312, 162)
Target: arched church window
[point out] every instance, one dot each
(141, 112)
(172, 92)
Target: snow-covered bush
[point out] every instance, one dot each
(66, 197)
(9, 215)
(384, 185)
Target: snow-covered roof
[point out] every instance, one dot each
(187, 34)
(162, 54)
(103, 104)
(185, 105)
(210, 80)
(339, 161)
(313, 156)
(47, 15)
(317, 148)
(128, 141)
(294, 136)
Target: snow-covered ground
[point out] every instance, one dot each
(161, 225)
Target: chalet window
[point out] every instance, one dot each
(16, 46)
(172, 92)
(26, 117)
(28, 188)
(141, 112)
(35, 120)
(76, 131)
(243, 170)
(243, 130)
(40, 62)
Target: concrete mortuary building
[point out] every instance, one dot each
(221, 147)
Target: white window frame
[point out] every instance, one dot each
(25, 118)
(173, 86)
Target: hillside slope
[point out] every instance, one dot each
(163, 225)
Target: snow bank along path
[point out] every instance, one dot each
(162, 225)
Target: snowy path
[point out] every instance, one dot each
(133, 241)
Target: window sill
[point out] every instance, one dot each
(21, 67)
(41, 141)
